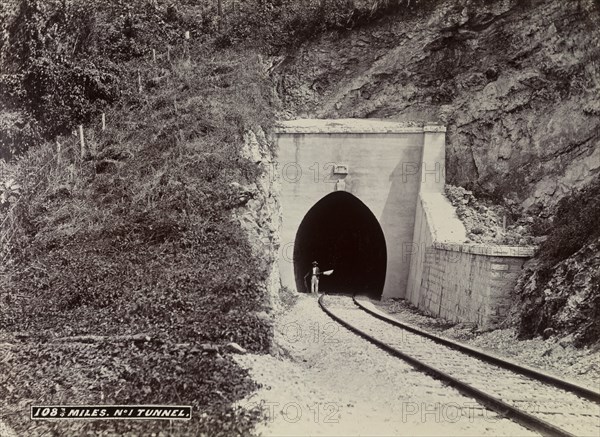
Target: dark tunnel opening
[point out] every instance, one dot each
(341, 233)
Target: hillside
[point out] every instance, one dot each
(126, 267)
(130, 265)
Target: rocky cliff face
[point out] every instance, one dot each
(516, 82)
(261, 215)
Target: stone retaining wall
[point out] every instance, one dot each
(456, 281)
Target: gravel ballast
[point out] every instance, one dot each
(326, 380)
(555, 355)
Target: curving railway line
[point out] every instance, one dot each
(539, 401)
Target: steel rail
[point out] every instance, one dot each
(530, 372)
(493, 403)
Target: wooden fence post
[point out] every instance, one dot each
(186, 44)
(81, 140)
(58, 152)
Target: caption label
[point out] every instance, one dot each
(150, 412)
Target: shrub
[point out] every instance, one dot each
(58, 85)
(18, 132)
(61, 95)
(12, 93)
(575, 224)
(561, 290)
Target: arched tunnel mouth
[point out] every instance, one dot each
(341, 233)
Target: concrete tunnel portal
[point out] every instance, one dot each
(349, 190)
(341, 233)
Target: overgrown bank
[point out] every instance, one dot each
(128, 272)
(559, 292)
(140, 240)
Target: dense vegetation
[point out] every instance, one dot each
(132, 235)
(574, 224)
(565, 278)
(63, 61)
(139, 240)
(135, 236)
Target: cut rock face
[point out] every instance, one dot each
(517, 94)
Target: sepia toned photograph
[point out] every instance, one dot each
(299, 218)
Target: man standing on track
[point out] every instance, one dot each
(314, 274)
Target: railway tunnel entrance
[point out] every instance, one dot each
(342, 234)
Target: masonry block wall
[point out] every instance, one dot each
(462, 286)
(461, 282)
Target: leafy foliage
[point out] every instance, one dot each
(575, 224)
(137, 237)
(61, 96)
(18, 132)
(58, 85)
(561, 292)
(129, 373)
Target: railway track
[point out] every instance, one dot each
(538, 401)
